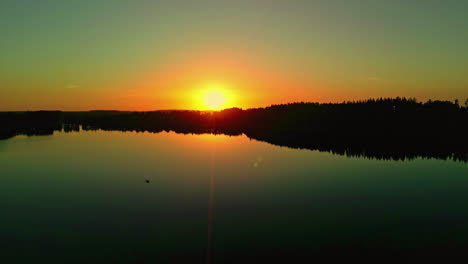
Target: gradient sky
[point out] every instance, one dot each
(146, 55)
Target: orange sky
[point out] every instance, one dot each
(151, 55)
(245, 82)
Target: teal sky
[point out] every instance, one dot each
(142, 55)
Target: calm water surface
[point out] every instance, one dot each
(83, 196)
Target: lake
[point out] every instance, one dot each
(127, 197)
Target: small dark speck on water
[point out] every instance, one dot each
(147, 181)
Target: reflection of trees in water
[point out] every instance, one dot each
(383, 129)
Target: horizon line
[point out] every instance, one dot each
(411, 99)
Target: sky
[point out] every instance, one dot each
(150, 55)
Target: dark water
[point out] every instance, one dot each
(83, 197)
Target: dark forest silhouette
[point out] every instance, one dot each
(397, 128)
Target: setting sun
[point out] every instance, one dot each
(214, 100)
(214, 96)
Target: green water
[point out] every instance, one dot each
(83, 196)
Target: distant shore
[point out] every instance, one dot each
(396, 128)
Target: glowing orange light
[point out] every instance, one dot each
(214, 97)
(214, 100)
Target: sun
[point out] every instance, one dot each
(214, 97)
(214, 100)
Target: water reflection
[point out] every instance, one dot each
(210, 208)
(87, 190)
(372, 150)
(383, 129)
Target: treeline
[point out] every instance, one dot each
(30, 123)
(397, 128)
